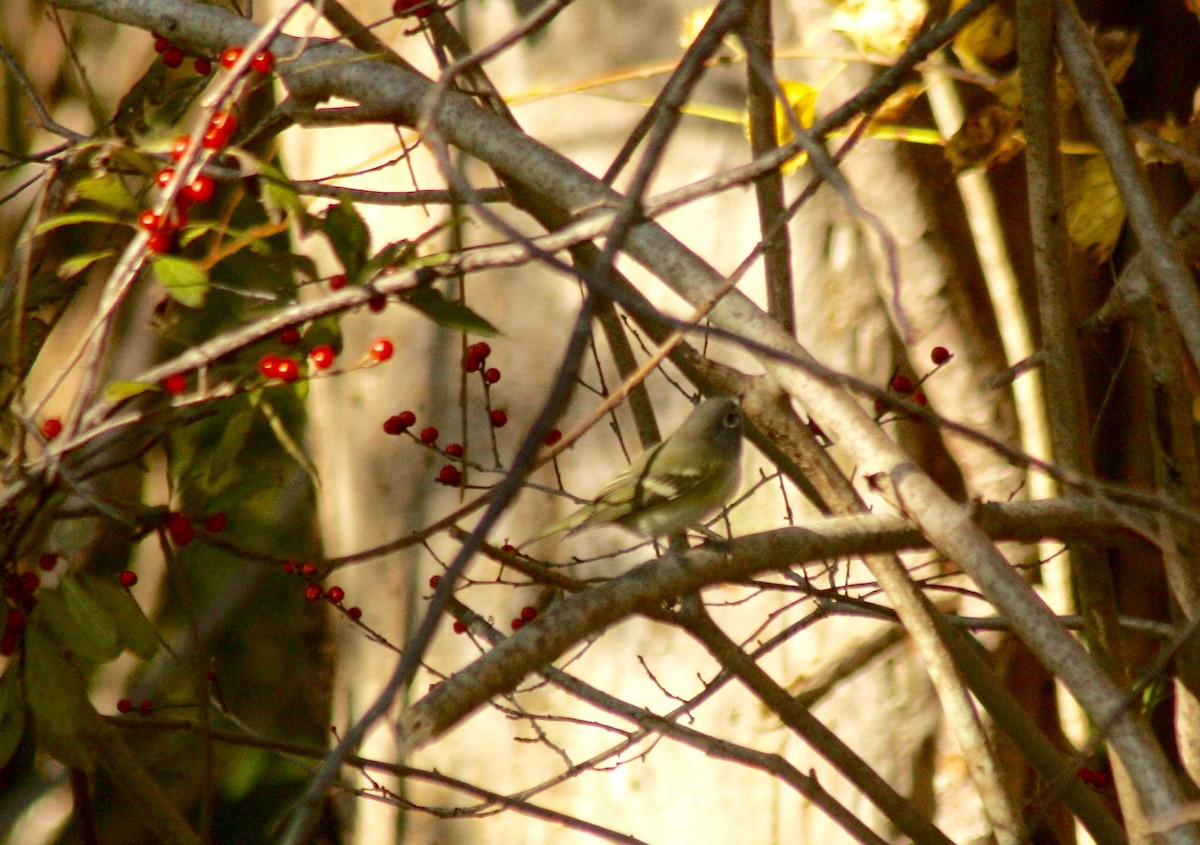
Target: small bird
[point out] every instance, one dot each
(674, 484)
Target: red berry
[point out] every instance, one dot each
(180, 528)
(161, 242)
(203, 65)
(336, 594)
(161, 44)
(902, 384)
(518, 624)
(201, 189)
(289, 567)
(499, 418)
(175, 383)
(322, 357)
(216, 523)
(308, 569)
(377, 303)
(220, 130)
(940, 355)
(214, 139)
(492, 375)
(179, 147)
(434, 580)
(164, 176)
(124, 706)
(382, 349)
(460, 627)
(313, 592)
(30, 581)
(146, 707)
(263, 62)
(289, 336)
(8, 643)
(450, 475)
(879, 406)
(15, 621)
(149, 221)
(229, 56)
(429, 435)
(354, 613)
(127, 579)
(48, 562)
(509, 548)
(172, 57)
(1095, 778)
(287, 370)
(552, 437)
(51, 428)
(338, 281)
(920, 398)
(399, 423)
(480, 350)
(472, 363)
(455, 450)
(268, 365)
(419, 9)
(529, 613)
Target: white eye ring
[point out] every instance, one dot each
(731, 419)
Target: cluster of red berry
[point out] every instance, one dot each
(474, 361)
(145, 708)
(314, 591)
(19, 590)
(217, 135)
(905, 386)
(181, 530)
(173, 56)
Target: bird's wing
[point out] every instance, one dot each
(642, 487)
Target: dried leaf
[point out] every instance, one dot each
(986, 139)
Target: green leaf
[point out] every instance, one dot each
(72, 218)
(184, 280)
(135, 632)
(119, 391)
(12, 714)
(442, 311)
(74, 266)
(222, 465)
(348, 235)
(107, 189)
(289, 443)
(192, 231)
(57, 697)
(393, 254)
(92, 630)
(279, 198)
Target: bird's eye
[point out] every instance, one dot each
(732, 419)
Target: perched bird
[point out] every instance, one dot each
(674, 484)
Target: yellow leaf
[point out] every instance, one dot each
(879, 26)
(1095, 212)
(802, 100)
(988, 43)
